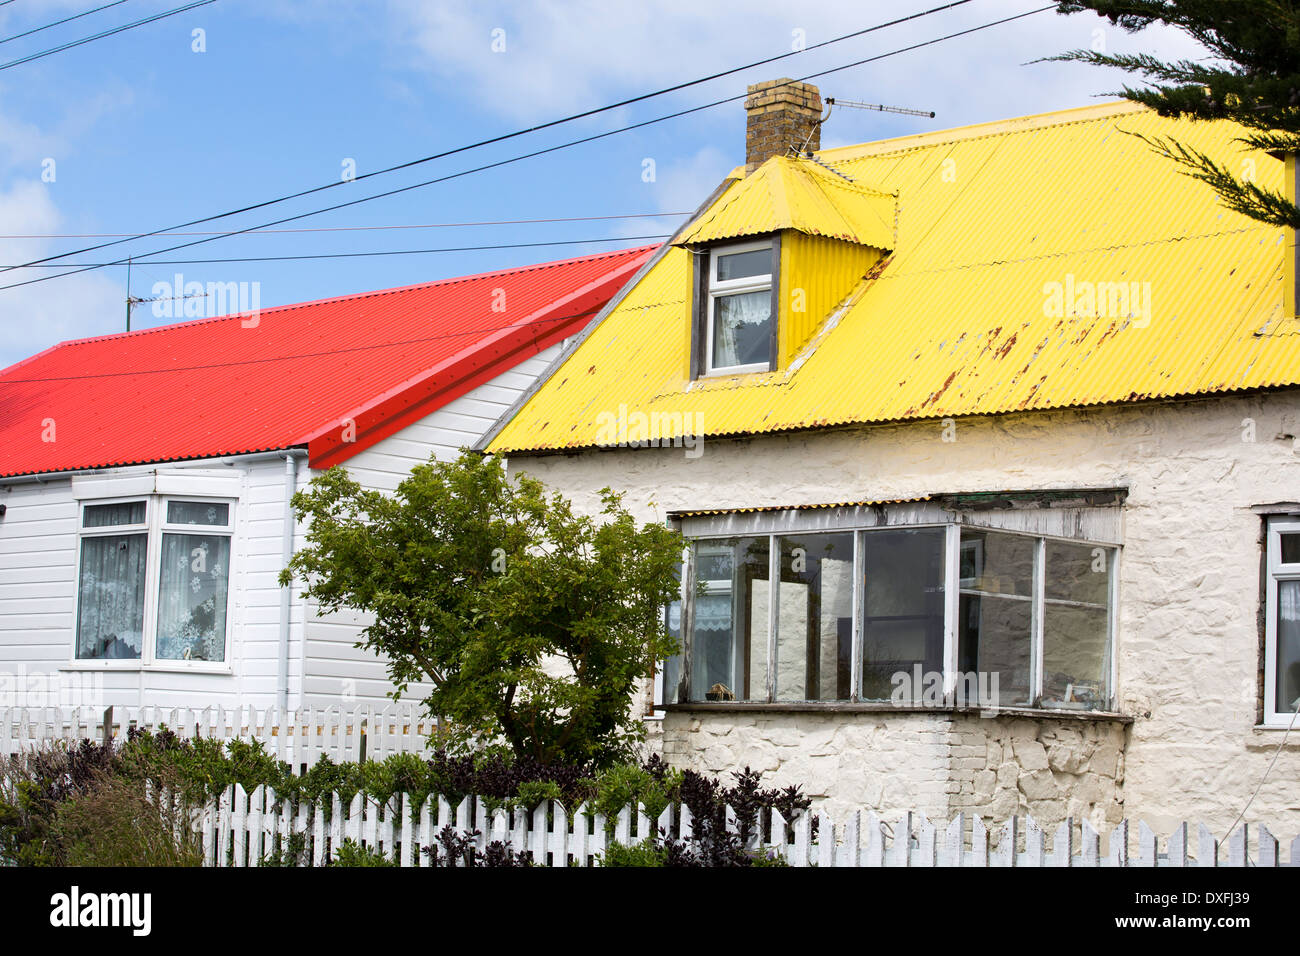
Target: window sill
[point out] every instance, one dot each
(858, 707)
(136, 667)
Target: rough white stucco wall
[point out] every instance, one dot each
(1188, 645)
(339, 673)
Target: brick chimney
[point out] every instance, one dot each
(780, 113)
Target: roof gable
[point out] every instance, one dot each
(786, 193)
(292, 376)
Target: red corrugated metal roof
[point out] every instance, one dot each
(294, 376)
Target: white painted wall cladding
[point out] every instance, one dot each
(338, 673)
(1188, 644)
(38, 588)
(38, 576)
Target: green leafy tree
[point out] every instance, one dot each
(1252, 78)
(533, 624)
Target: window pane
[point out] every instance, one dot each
(192, 597)
(815, 623)
(903, 626)
(742, 329)
(109, 516)
(1074, 656)
(994, 646)
(1290, 548)
(1288, 646)
(198, 512)
(110, 616)
(745, 265)
(729, 638)
(1076, 634)
(1077, 572)
(997, 563)
(996, 616)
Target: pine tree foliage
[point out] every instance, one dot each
(1251, 76)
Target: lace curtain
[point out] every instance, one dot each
(192, 597)
(110, 624)
(1288, 645)
(741, 333)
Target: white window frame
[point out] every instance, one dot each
(727, 287)
(953, 589)
(154, 527)
(1274, 572)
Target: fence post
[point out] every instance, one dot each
(108, 725)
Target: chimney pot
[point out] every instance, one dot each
(780, 114)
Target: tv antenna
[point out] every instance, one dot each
(878, 107)
(133, 300)
(831, 102)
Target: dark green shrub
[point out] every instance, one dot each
(351, 853)
(649, 852)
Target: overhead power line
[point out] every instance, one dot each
(75, 16)
(362, 255)
(104, 33)
(503, 162)
(505, 136)
(417, 225)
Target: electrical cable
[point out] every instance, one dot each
(105, 33)
(512, 135)
(499, 163)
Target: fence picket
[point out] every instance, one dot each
(951, 852)
(851, 852)
(580, 843)
(238, 823)
(1177, 852)
(825, 840)
(1034, 851)
(1237, 842)
(979, 843)
(1117, 854)
(408, 825)
(925, 839)
(1267, 847)
(1207, 849)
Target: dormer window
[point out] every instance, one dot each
(736, 313)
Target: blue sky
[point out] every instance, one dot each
(143, 131)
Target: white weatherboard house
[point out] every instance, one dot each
(985, 441)
(145, 479)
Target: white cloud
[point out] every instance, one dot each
(562, 57)
(36, 316)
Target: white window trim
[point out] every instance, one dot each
(1275, 571)
(952, 597)
(732, 287)
(154, 527)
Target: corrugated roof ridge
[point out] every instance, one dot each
(1003, 127)
(453, 280)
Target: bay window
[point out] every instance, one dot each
(873, 613)
(153, 581)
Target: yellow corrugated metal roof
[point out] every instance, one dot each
(787, 193)
(995, 225)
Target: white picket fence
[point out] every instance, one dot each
(241, 828)
(300, 741)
